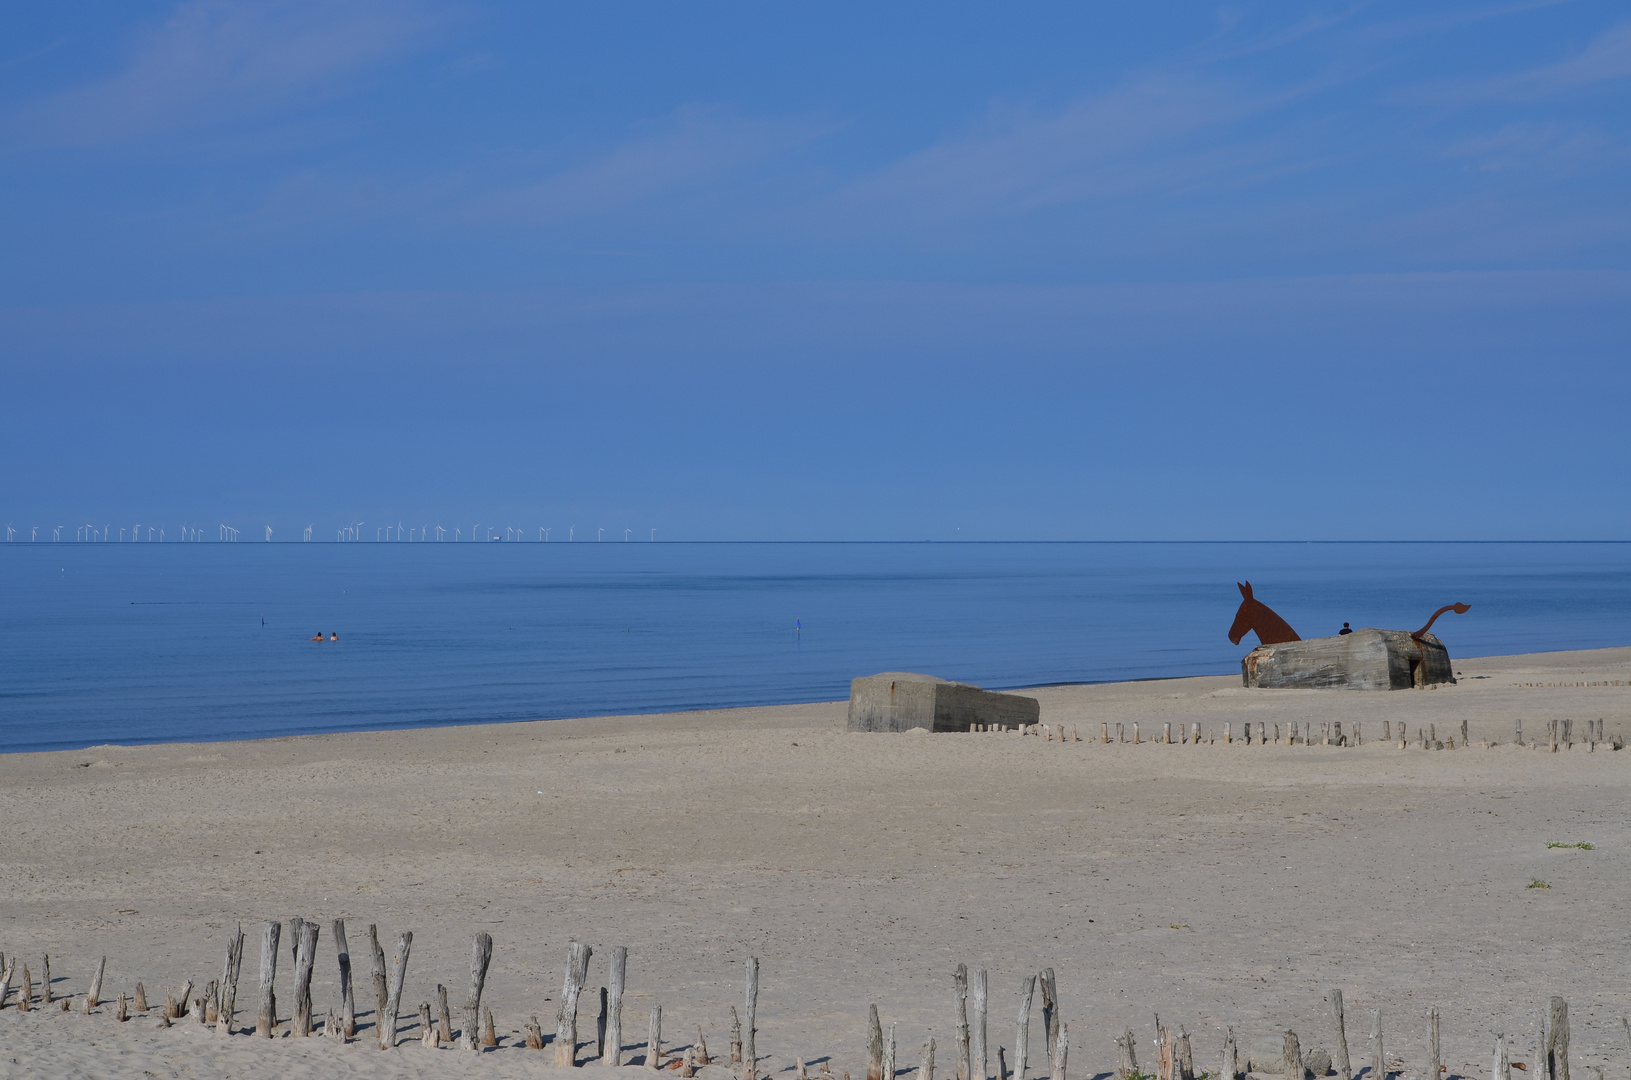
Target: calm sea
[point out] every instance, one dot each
(135, 643)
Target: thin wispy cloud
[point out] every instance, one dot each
(1607, 59)
(694, 146)
(213, 62)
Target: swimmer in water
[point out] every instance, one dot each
(334, 637)
(319, 637)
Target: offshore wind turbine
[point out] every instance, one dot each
(308, 534)
(653, 536)
(626, 535)
(33, 533)
(268, 534)
(598, 534)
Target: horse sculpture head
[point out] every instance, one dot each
(1257, 616)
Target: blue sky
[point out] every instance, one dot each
(1178, 271)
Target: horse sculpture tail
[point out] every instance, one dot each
(1459, 609)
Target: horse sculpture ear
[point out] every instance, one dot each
(1245, 589)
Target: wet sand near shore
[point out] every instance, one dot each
(1217, 885)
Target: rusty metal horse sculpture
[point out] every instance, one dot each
(1254, 615)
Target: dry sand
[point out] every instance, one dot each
(1217, 885)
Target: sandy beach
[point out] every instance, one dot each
(1221, 886)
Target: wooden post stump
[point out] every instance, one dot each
(1050, 1009)
(399, 977)
(1230, 1067)
(481, 955)
(959, 983)
(1022, 1030)
(1378, 1063)
(654, 1039)
(978, 1057)
(1291, 1062)
(925, 1069)
(566, 1017)
(1339, 1033)
(93, 996)
(874, 1045)
(1434, 1065)
(382, 991)
(612, 1053)
(305, 956)
(444, 1020)
(1061, 1049)
(266, 1017)
(750, 1058)
(348, 1000)
(1555, 1059)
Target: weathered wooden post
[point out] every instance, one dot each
(613, 1052)
(45, 979)
(1135, 734)
(229, 982)
(977, 1051)
(702, 1051)
(889, 1054)
(348, 1000)
(399, 976)
(1128, 1045)
(1104, 732)
(1501, 1067)
(382, 990)
(122, 1011)
(1226, 735)
(1022, 1031)
(1387, 731)
(601, 1018)
(535, 1034)
(566, 1017)
(266, 1017)
(1061, 1048)
(959, 982)
(93, 996)
(1378, 1063)
(1230, 1067)
(334, 1028)
(925, 1069)
(874, 1045)
(444, 1020)
(1339, 1032)
(139, 999)
(736, 1037)
(1186, 1057)
(654, 1040)
(305, 955)
(428, 1035)
(1434, 1066)
(1556, 1056)
(1050, 1009)
(1291, 1061)
(25, 992)
(489, 1037)
(750, 1050)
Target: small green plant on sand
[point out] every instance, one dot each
(1536, 883)
(1583, 845)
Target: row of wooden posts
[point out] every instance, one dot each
(1174, 1058)
(1559, 734)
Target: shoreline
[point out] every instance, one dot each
(1223, 886)
(1566, 658)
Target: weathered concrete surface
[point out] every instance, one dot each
(1363, 660)
(900, 701)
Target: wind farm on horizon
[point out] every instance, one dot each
(352, 533)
